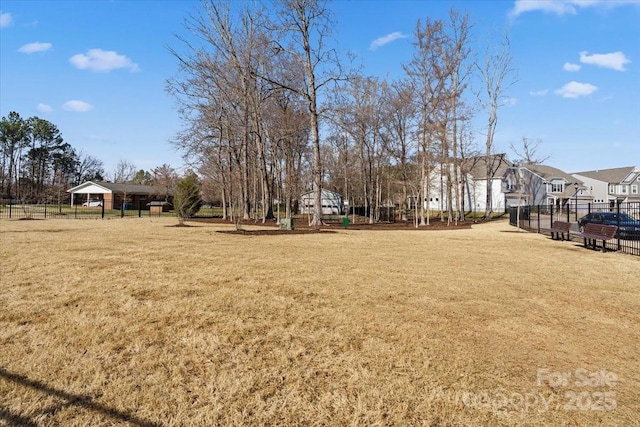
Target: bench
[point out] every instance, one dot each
(594, 232)
(559, 228)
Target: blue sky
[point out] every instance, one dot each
(97, 69)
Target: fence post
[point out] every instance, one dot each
(75, 212)
(45, 210)
(10, 206)
(102, 214)
(538, 218)
(139, 209)
(551, 211)
(618, 221)
(569, 211)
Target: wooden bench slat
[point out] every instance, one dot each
(595, 232)
(559, 228)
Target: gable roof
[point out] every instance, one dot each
(127, 188)
(549, 172)
(477, 166)
(111, 187)
(615, 175)
(326, 194)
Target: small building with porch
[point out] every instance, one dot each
(115, 195)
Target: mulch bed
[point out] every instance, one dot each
(275, 232)
(302, 227)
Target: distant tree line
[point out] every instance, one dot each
(271, 111)
(36, 164)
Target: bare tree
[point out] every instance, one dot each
(527, 152)
(357, 110)
(124, 172)
(287, 127)
(427, 76)
(305, 26)
(498, 77)
(89, 168)
(456, 54)
(163, 180)
(224, 100)
(399, 128)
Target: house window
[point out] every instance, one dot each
(634, 189)
(624, 189)
(557, 188)
(612, 188)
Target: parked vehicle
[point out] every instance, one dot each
(628, 227)
(93, 203)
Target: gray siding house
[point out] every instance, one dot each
(612, 185)
(543, 185)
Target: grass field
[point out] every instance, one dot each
(135, 322)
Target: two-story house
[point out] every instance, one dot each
(476, 178)
(612, 185)
(473, 177)
(543, 185)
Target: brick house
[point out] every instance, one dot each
(115, 196)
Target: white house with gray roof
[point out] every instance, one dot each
(472, 184)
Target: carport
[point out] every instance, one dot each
(114, 195)
(89, 188)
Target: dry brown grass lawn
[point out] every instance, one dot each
(132, 322)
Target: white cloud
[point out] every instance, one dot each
(379, 42)
(35, 47)
(557, 7)
(615, 61)
(542, 92)
(568, 66)
(102, 61)
(77, 106)
(562, 7)
(576, 90)
(5, 19)
(44, 108)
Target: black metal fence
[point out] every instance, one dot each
(49, 211)
(130, 209)
(539, 219)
